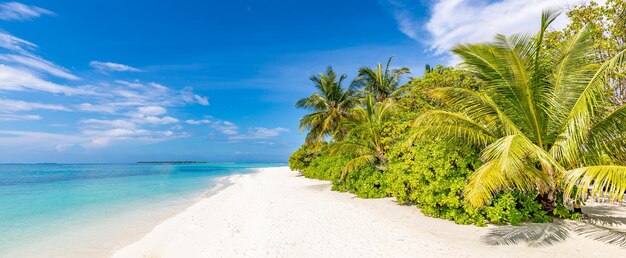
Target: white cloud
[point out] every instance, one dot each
(158, 86)
(14, 11)
(21, 70)
(135, 110)
(63, 146)
(38, 141)
(103, 138)
(258, 133)
(10, 105)
(152, 110)
(197, 122)
(455, 21)
(407, 23)
(204, 101)
(149, 115)
(128, 127)
(231, 130)
(190, 97)
(16, 44)
(120, 123)
(113, 67)
(225, 127)
(134, 98)
(159, 120)
(38, 63)
(103, 132)
(105, 109)
(12, 117)
(232, 133)
(14, 79)
(136, 93)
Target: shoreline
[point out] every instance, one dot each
(100, 234)
(220, 183)
(274, 212)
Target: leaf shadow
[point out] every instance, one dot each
(547, 234)
(602, 234)
(533, 234)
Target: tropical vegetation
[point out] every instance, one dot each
(525, 127)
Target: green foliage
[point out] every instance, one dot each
(369, 182)
(562, 212)
(302, 158)
(432, 175)
(515, 207)
(537, 115)
(526, 122)
(325, 166)
(606, 22)
(329, 107)
(364, 143)
(381, 83)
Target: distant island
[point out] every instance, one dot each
(179, 162)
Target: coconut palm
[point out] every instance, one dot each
(540, 118)
(331, 105)
(369, 148)
(382, 83)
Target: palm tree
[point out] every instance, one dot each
(331, 105)
(540, 118)
(369, 148)
(381, 83)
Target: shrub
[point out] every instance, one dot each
(325, 166)
(301, 158)
(562, 212)
(368, 182)
(515, 207)
(432, 175)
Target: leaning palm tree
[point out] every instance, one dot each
(382, 83)
(369, 148)
(540, 118)
(331, 105)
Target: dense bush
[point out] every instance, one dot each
(432, 176)
(515, 207)
(325, 166)
(562, 212)
(301, 158)
(369, 182)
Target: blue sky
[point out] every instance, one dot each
(123, 81)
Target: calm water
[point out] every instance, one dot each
(77, 210)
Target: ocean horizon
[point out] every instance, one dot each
(97, 208)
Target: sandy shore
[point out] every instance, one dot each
(276, 213)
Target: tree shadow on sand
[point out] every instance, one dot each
(599, 226)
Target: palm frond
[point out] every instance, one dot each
(331, 105)
(381, 81)
(444, 124)
(607, 136)
(356, 163)
(579, 120)
(477, 106)
(483, 183)
(598, 181)
(509, 163)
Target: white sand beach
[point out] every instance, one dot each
(277, 213)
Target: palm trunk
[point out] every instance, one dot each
(548, 200)
(381, 159)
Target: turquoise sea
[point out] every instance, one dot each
(91, 210)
